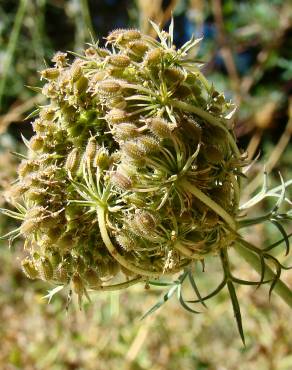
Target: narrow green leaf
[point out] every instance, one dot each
(276, 262)
(159, 34)
(20, 208)
(160, 283)
(247, 282)
(212, 294)
(52, 292)
(283, 232)
(263, 269)
(26, 142)
(12, 214)
(182, 302)
(19, 155)
(276, 276)
(35, 89)
(281, 197)
(274, 245)
(11, 233)
(194, 286)
(32, 114)
(163, 300)
(236, 308)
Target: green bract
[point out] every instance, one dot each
(134, 168)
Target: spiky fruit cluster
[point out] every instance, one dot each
(133, 167)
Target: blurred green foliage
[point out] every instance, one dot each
(248, 48)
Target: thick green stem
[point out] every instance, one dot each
(280, 288)
(209, 202)
(118, 257)
(112, 250)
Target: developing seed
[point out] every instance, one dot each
(126, 240)
(66, 242)
(121, 181)
(60, 59)
(116, 115)
(117, 102)
(79, 264)
(35, 194)
(101, 159)
(213, 154)
(125, 131)
(36, 143)
(123, 35)
(102, 269)
(39, 125)
(55, 259)
(62, 273)
(46, 269)
(109, 86)
(54, 233)
(36, 213)
(47, 114)
(50, 73)
(16, 190)
(28, 227)
(90, 149)
(91, 277)
(29, 268)
(26, 167)
(81, 85)
(135, 199)
(153, 57)
(149, 144)
(174, 75)
(76, 71)
(211, 219)
(50, 90)
(160, 128)
(182, 91)
(90, 52)
(102, 52)
(133, 150)
(77, 283)
(115, 157)
(131, 34)
(138, 48)
(113, 35)
(119, 61)
(72, 161)
(145, 220)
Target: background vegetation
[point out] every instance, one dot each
(246, 47)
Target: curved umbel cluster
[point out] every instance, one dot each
(133, 167)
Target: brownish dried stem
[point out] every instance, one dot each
(16, 113)
(275, 155)
(153, 10)
(249, 80)
(225, 48)
(254, 143)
